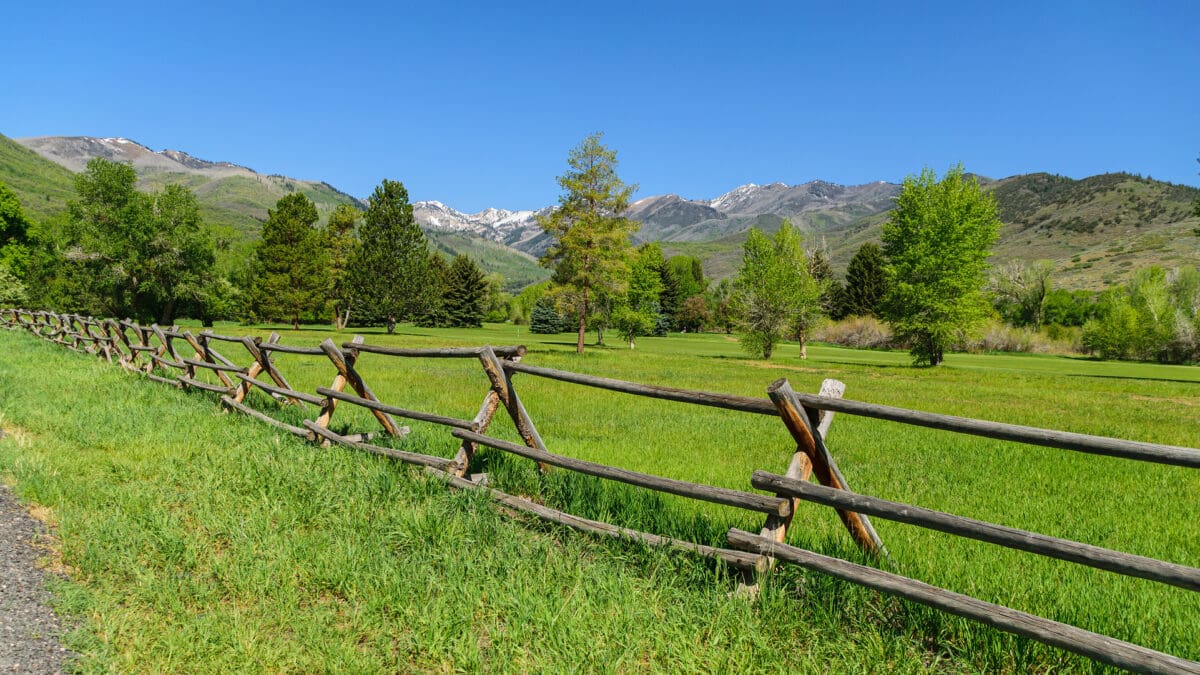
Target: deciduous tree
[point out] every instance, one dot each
(937, 242)
(638, 311)
(136, 255)
(773, 288)
(591, 248)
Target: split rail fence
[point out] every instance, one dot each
(154, 352)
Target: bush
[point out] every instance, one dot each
(859, 332)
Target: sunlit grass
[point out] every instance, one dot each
(1125, 505)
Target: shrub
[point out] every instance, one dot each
(860, 332)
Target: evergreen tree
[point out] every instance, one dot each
(866, 282)
(591, 248)
(544, 318)
(670, 300)
(388, 275)
(434, 313)
(937, 242)
(466, 293)
(341, 240)
(292, 275)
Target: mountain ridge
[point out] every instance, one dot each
(1098, 229)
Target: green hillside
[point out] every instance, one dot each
(235, 206)
(42, 186)
(518, 269)
(1098, 230)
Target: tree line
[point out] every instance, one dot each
(117, 251)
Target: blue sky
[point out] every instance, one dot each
(477, 105)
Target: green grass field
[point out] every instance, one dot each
(196, 538)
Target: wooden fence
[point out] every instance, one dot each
(153, 352)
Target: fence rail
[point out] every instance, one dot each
(152, 353)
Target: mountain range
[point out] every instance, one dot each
(1097, 229)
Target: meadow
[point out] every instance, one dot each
(195, 537)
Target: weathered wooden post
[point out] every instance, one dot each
(487, 410)
(262, 364)
(812, 457)
(502, 385)
(346, 374)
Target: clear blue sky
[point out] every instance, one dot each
(477, 106)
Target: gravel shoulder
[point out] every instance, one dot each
(30, 633)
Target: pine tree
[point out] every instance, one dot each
(866, 282)
(466, 293)
(388, 278)
(292, 265)
(670, 300)
(434, 314)
(591, 248)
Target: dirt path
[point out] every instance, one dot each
(29, 630)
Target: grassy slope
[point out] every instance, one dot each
(1099, 500)
(42, 186)
(197, 541)
(519, 269)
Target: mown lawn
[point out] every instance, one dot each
(203, 538)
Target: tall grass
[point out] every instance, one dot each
(165, 491)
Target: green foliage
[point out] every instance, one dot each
(689, 272)
(1114, 334)
(129, 254)
(725, 308)
(637, 314)
(521, 306)
(14, 226)
(1156, 317)
(12, 291)
(670, 299)
(496, 302)
(1068, 308)
(433, 313)
(774, 291)
(292, 263)
(694, 315)
(937, 242)
(341, 243)
(591, 248)
(866, 282)
(1020, 290)
(15, 234)
(544, 318)
(388, 272)
(466, 293)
